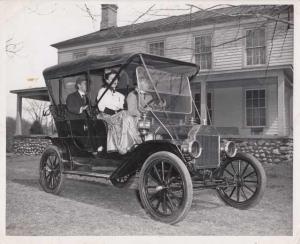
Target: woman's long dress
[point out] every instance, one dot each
(122, 132)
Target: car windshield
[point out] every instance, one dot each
(163, 91)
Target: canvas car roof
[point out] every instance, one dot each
(92, 62)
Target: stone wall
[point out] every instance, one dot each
(30, 145)
(267, 150)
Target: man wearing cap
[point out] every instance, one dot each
(77, 102)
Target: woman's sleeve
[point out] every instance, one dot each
(132, 104)
(101, 103)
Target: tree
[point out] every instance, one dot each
(36, 128)
(11, 129)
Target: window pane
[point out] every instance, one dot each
(203, 55)
(261, 37)
(263, 55)
(115, 50)
(209, 61)
(255, 41)
(248, 103)
(255, 93)
(79, 54)
(255, 103)
(249, 39)
(248, 94)
(255, 117)
(262, 93)
(255, 108)
(262, 116)
(249, 56)
(208, 100)
(197, 59)
(249, 117)
(256, 56)
(156, 48)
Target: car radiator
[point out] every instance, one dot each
(210, 156)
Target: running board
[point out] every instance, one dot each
(89, 174)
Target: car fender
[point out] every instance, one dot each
(138, 156)
(62, 146)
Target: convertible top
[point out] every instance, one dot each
(92, 62)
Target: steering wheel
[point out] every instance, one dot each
(155, 103)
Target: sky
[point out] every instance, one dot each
(35, 25)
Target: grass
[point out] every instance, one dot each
(98, 208)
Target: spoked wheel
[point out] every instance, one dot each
(165, 187)
(121, 181)
(51, 176)
(246, 181)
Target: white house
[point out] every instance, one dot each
(245, 55)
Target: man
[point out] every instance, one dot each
(77, 102)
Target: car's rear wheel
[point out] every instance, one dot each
(165, 187)
(246, 181)
(51, 170)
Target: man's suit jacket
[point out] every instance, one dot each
(74, 102)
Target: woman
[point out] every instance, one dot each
(122, 130)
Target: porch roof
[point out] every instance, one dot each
(37, 93)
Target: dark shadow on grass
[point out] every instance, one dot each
(204, 205)
(103, 195)
(94, 193)
(27, 182)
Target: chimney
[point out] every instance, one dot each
(109, 16)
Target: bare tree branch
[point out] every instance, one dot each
(244, 15)
(86, 9)
(11, 47)
(143, 14)
(38, 11)
(36, 110)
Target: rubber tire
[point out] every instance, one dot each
(262, 181)
(51, 150)
(180, 166)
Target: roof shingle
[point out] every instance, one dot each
(173, 23)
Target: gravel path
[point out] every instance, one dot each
(98, 208)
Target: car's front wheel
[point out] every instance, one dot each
(165, 187)
(246, 181)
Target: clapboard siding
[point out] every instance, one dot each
(280, 44)
(227, 54)
(132, 47)
(65, 56)
(179, 47)
(97, 51)
(272, 110)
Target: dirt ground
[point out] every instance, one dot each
(98, 208)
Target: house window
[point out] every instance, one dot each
(79, 54)
(209, 106)
(256, 108)
(203, 51)
(255, 46)
(115, 50)
(157, 48)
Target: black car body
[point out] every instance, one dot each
(178, 154)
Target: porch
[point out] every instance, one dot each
(254, 102)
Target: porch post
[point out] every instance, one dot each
(281, 105)
(19, 116)
(203, 103)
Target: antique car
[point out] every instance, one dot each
(178, 153)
